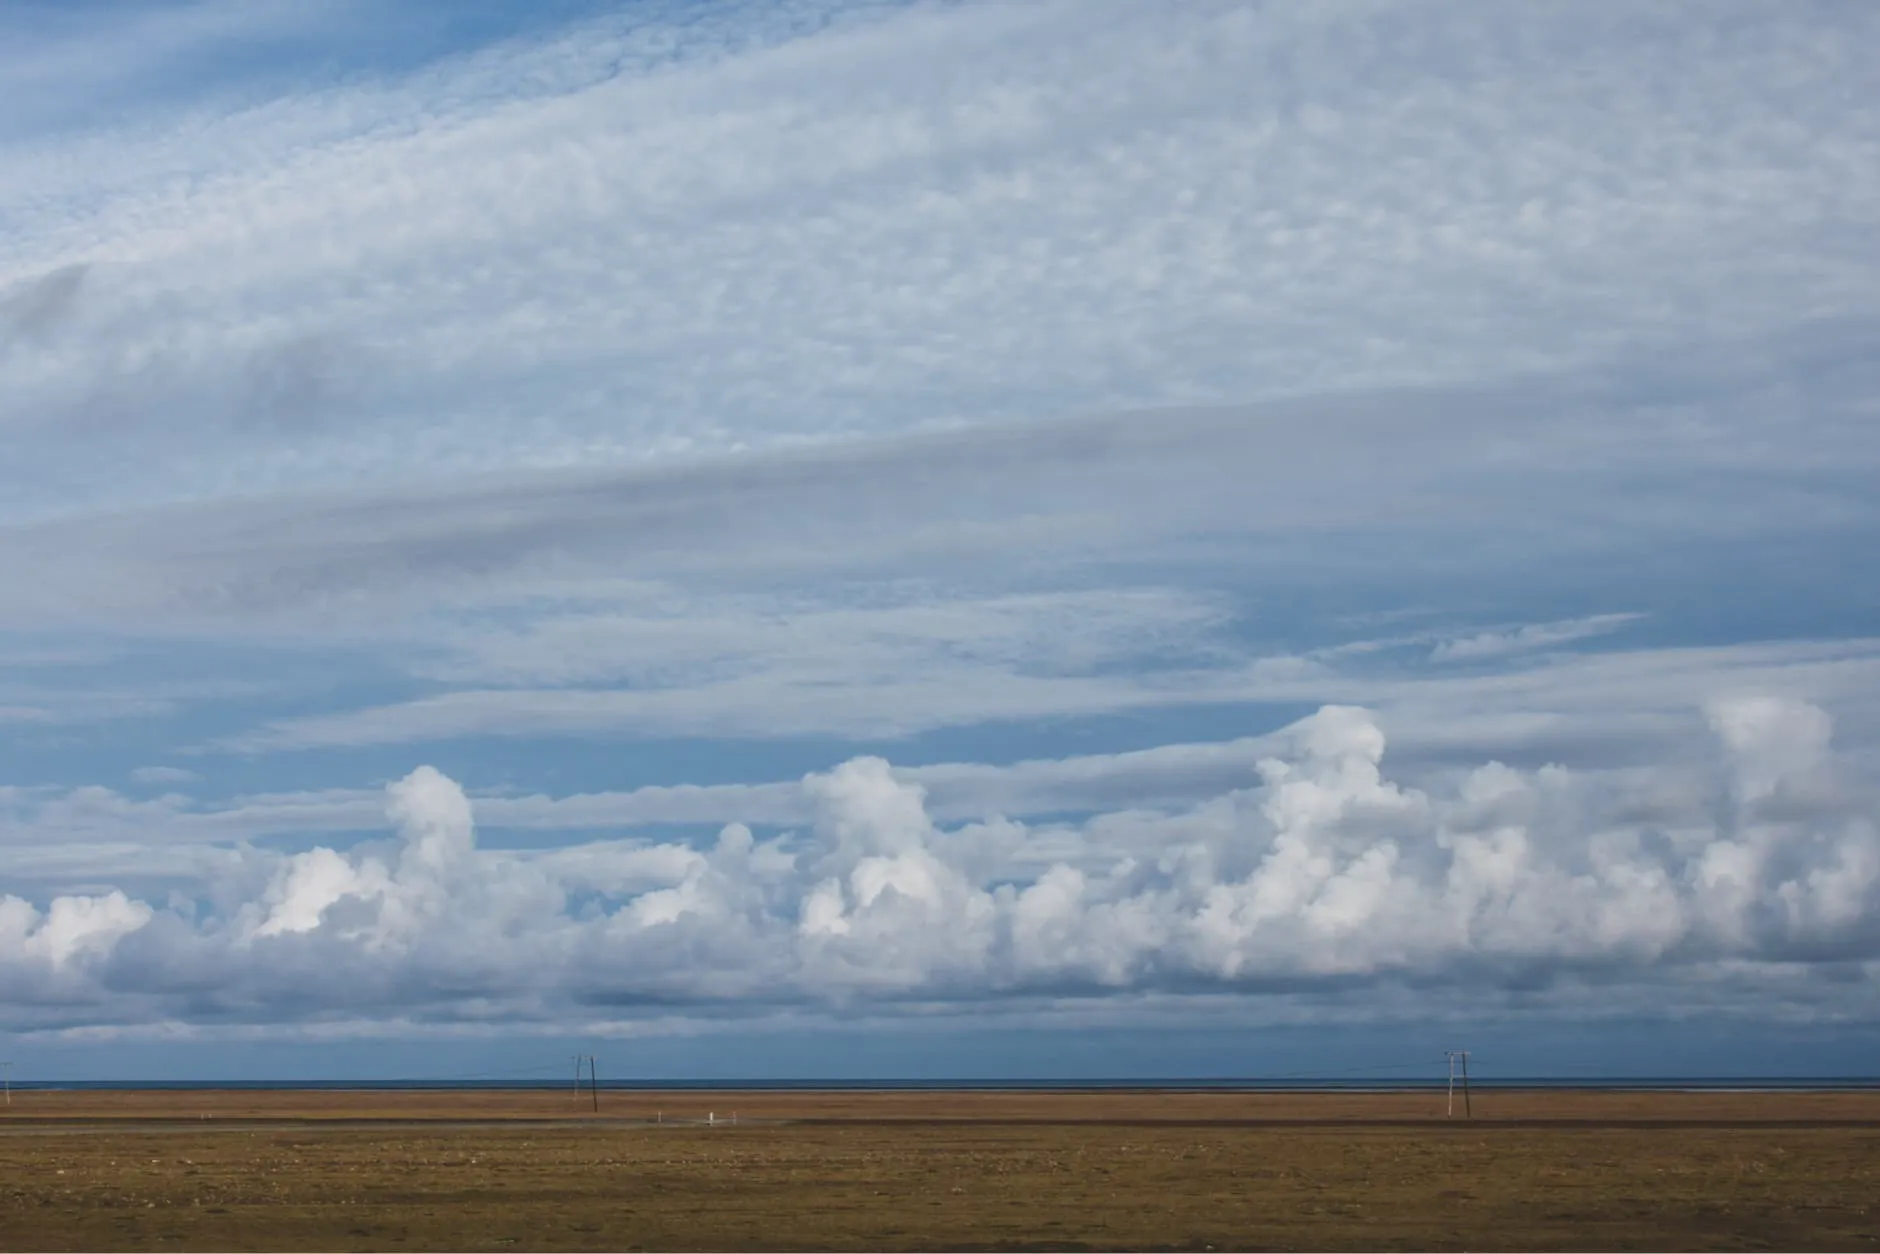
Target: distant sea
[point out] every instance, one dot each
(1236, 1084)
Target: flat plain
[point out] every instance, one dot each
(415, 1170)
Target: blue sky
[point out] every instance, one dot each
(941, 533)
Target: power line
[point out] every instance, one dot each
(1318, 1073)
(419, 1081)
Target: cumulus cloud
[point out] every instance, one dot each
(1319, 873)
(70, 929)
(1780, 746)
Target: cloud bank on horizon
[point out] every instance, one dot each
(1123, 419)
(1759, 878)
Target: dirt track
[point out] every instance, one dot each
(430, 1170)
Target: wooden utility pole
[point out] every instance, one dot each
(594, 1079)
(1459, 1058)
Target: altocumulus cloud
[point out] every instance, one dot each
(1319, 874)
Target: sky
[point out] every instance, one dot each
(870, 539)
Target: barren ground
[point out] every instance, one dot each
(536, 1170)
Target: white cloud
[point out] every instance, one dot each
(1780, 746)
(669, 640)
(66, 839)
(773, 704)
(1319, 871)
(70, 930)
(1532, 636)
(1613, 716)
(549, 254)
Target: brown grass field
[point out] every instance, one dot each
(938, 1170)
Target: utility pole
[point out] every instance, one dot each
(1459, 1059)
(595, 1087)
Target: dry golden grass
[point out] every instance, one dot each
(415, 1171)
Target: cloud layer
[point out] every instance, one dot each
(814, 221)
(1320, 874)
